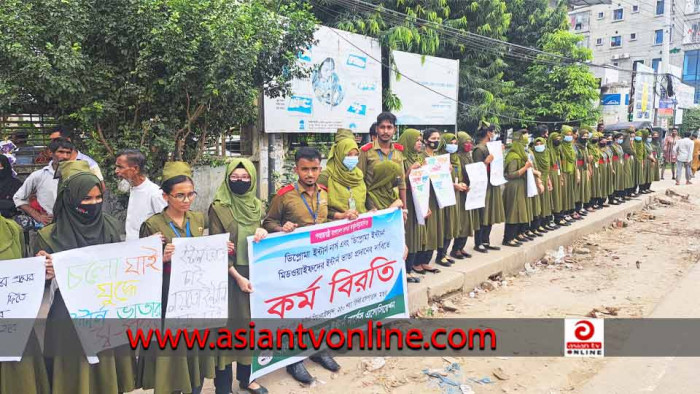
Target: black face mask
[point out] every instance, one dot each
(239, 187)
(557, 142)
(433, 144)
(602, 143)
(595, 140)
(395, 182)
(609, 143)
(89, 211)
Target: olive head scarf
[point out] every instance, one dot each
(11, 240)
(72, 230)
(627, 145)
(343, 183)
(408, 141)
(382, 192)
(593, 148)
(446, 138)
(517, 150)
(172, 169)
(568, 154)
(639, 149)
(245, 208)
(554, 151)
(340, 135)
(542, 159)
(462, 138)
(647, 145)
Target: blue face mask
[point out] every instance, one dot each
(637, 138)
(568, 138)
(350, 162)
(620, 141)
(648, 139)
(451, 148)
(539, 148)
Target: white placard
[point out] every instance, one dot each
(421, 106)
(21, 291)
(478, 183)
(419, 180)
(344, 89)
(531, 184)
(199, 280)
(496, 150)
(102, 283)
(441, 179)
(644, 96)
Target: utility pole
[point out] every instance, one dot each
(665, 50)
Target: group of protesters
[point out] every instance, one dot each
(577, 170)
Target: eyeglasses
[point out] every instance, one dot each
(235, 179)
(182, 196)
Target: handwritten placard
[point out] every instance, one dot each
(419, 180)
(496, 174)
(478, 183)
(113, 281)
(344, 271)
(531, 183)
(199, 281)
(439, 168)
(21, 291)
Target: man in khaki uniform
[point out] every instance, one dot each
(304, 203)
(383, 149)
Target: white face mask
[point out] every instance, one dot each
(124, 186)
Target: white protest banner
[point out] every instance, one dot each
(344, 270)
(111, 281)
(419, 180)
(441, 178)
(21, 291)
(343, 90)
(478, 183)
(531, 184)
(199, 280)
(496, 150)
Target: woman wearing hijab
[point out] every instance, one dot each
(533, 228)
(517, 209)
(658, 155)
(347, 192)
(557, 181)
(597, 170)
(620, 166)
(236, 210)
(640, 158)
(185, 373)
(493, 212)
(8, 187)
(415, 233)
(468, 219)
(630, 164)
(649, 162)
(29, 374)
(605, 144)
(78, 222)
(569, 173)
(583, 169)
(453, 227)
(382, 194)
(544, 166)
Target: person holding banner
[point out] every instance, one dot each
(78, 222)
(493, 212)
(468, 219)
(28, 375)
(302, 204)
(185, 373)
(453, 225)
(347, 192)
(517, 207)
(543, 163)
(415, 233)
(435, 223)
(236, 210)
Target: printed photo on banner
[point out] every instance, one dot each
(419, 180)
(478, 183)
(112, 281)
(440, 176)
(496, 174)
(346, 271)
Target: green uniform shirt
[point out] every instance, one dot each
(160, 223)
(371, 154)
(288, 206)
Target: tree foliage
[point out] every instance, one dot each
(162, 75)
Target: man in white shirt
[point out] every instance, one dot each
(145, 198)
(684, 155)
(37, 194)
(62, 132)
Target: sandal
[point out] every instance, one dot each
(466, 255)
(443, 262)
(512, 243)
(457, 254)
(412, 279)
(481, 248)
(432, 271)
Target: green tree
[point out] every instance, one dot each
(691, 119)
(165, 76)
(565, 91)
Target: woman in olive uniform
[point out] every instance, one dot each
(569, 174)
(414, 233)
(78, 222)
(468, 218)
(630, 163)
(621, 167)
(533, 228)
(544, 166)
(347, 191)
(382, 194)
(640, 158)
(649, 163)
(493, 212)
(453, 226)
(658, 155)
(582, 170)
(170, 373)
(435, 223)
(29, 374)
(557, 181)
(597, 172)
(606, 145)
(236, 210)
(517, 208)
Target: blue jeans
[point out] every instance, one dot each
(682, 165)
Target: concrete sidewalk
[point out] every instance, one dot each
(469, 273)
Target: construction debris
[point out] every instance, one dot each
(603, 311)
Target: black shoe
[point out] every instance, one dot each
(480, 248)
(449, 260)
(530, 234)
(299, 373)
(491, 247)
(259, 390)
(563, 222)
(456, 255)
(538, 233)
(551, 226)
(326, 361)
(511, 243)
(443, 262)
(583, 212)
(542, 230)
(465, 254)
(615, 202)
